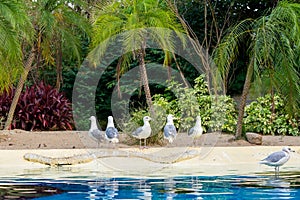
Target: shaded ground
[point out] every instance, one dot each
(19, 139)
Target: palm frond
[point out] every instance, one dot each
(15, 28)
(226, 53)
(139, 22)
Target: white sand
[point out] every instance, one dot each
(210, 161)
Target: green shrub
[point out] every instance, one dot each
(259, 117)
(221, 115)
(217, 112)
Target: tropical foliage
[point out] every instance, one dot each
(15, 27)
(56, 26)
(273, 47)
(40, 107)
(217, 112)
(267, 115)
(255, 45)
(133, 18)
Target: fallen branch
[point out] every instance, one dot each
(88, 157)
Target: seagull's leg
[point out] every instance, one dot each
(277, 174)
(276, 171)
(145, 144)
(140, 143)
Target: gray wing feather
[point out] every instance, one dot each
(191, 131)
(97, 134)
(111, 132)
(274, 157)
(169, 130)
(137, 131)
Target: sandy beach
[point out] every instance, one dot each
(208, 162)
(214, 156)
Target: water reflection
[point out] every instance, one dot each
(169, 188)
(143, 191)
(276, 182)
(107, 188)
(263, 186)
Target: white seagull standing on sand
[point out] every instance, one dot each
(197, 130)
(94, 132)
(144, 131)
(111, 132)
(169, 129)
(278, 158)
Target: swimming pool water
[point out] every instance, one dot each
(286, 186)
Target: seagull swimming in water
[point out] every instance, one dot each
(94, 132)
(169, 129)
(144, 131)
(197, 130)
(111, 132)
(278, 158)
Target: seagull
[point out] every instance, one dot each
(278, 158)
(111, 133)
(94, 132)
(197, 130)
(169, 129)
(144, 131)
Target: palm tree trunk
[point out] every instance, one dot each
(239, 129)
(59, 77)
(23, 78)
(144, 78)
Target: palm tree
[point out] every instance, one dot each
(14, 27)
(57, 26)
(136, 15)
(273, 43)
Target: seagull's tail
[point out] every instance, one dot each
(171, 139)
(134, 134)
(263, 162)
(115, 140)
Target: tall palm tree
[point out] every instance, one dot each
(57, 28)
(136, 15)
(273, 44)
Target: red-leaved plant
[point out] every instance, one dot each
(40, 107)
(5, 102)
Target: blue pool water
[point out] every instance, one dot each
(267, 186)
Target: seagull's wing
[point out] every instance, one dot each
(111, 132)
(96, 134)
(275, 157)
(170, 130)
(191, 131)
(138, 131)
